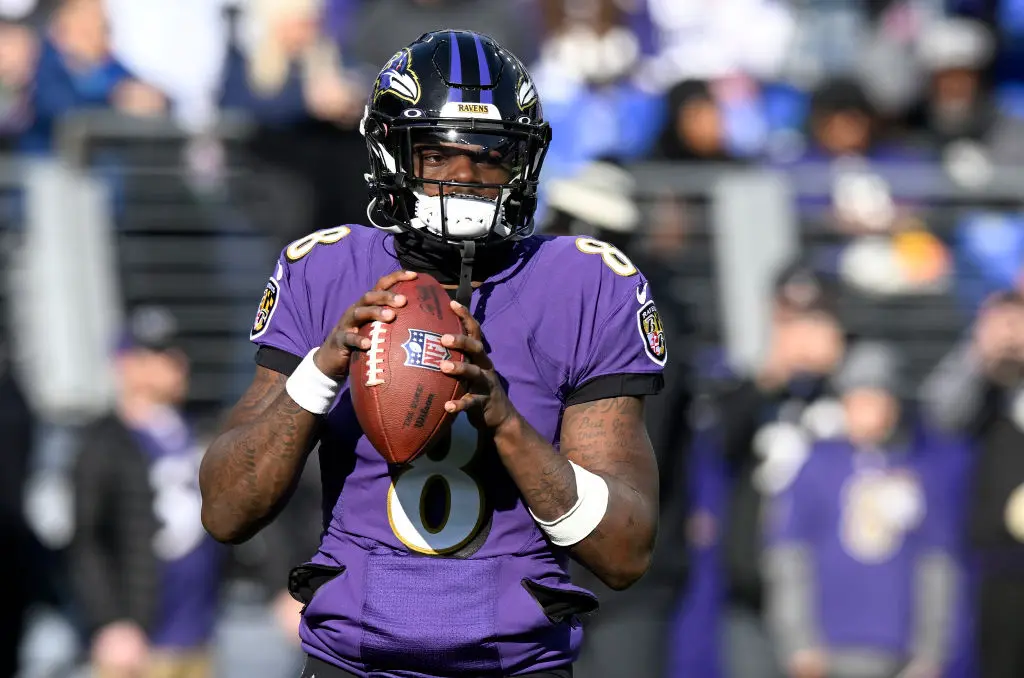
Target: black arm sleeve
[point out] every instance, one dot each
(277, 360)
(616, 385)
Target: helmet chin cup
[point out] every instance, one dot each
(459, 216)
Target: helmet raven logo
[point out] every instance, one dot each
(526, 93)
(398, 78)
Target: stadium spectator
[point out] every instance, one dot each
(842, 121)
(145, 575)
(178, 47)
(18, 52)
(955, 53)
(976, 390)
(860, 568)
(769, 421)
(695, 128)
(710, 41)
(845, 130)
(881, 245)
(977, 128)
(76, 69)
(586, 73)
(288, 75)
(284, 70)
(843, 135)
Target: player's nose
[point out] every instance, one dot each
(462, 169)
(466, 171)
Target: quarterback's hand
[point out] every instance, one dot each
(335, 353)
(485, 403)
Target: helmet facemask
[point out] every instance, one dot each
(452, 211)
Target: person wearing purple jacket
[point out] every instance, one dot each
(861, 571)
(467, 576)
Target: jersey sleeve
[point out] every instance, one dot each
(621, 346)
(283, 326)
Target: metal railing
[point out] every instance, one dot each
(742, 223)
(202, 244)
(199, 242)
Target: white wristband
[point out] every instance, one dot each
(311, 389)
(585, 515)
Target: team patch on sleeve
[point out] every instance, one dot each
(652, 332)
(265, 312)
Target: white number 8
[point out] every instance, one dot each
(305, 244)
(464, 506)
(612, 256)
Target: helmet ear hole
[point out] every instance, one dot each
(375, 129)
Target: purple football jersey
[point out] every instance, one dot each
(440, 557)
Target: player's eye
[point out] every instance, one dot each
(492, 159)
(507, 155)
(432, 158)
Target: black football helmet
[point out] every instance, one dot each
(454, 87)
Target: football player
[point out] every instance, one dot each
(455, 564)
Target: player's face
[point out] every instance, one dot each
(463, 163)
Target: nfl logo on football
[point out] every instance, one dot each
(424, 349)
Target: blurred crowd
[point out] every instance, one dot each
(849, 507)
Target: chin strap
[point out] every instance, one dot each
(465, 292)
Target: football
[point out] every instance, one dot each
(398, 388)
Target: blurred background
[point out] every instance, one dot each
(828, 199)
